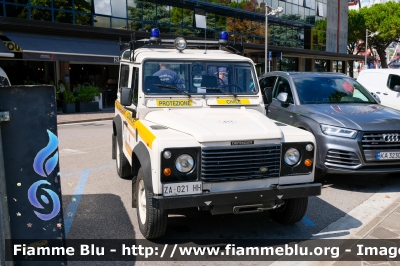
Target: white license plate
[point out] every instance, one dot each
(177, 189)
(395, 155)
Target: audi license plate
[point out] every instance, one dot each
(178, 189)
(380, 155)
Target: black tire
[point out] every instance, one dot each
(123, 166)
(291, 212)
(152, 222)
(319, 175)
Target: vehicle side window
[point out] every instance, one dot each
(267, 82)
(135, 84)
(124, 76)
(283, 85)
(393, 80)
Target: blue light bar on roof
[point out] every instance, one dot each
(223, 37)
(155, 35)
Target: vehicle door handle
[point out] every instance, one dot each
(125, 123)
(378, 92)
(385, 93)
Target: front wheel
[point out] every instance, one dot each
(152, 221)
(291, 212)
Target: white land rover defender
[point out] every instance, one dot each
(190, 131)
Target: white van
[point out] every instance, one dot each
(4, 81)
(385, 83)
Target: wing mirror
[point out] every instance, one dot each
(282, 97)
(396, 88)
(377, 97)
(126, 96)
(267, 95)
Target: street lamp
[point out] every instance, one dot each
(269, 10)
(366, 44)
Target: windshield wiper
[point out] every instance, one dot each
(173, 88)
(223, 90)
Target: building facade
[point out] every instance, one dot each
(77, 40)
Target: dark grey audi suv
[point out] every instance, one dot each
(354, 133)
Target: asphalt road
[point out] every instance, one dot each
(97, 203)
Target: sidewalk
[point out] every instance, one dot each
(103, 114)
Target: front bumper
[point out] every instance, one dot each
(328, 147)
(238, 197)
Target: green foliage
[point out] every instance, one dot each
(69, 97)
(383, 18)
(87, 93)
(319, 35)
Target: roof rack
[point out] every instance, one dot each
(179, 43)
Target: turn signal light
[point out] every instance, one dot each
(167, 171)
(307, 162)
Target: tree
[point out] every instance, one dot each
(356, 32)
(385, 19)
(319, 35)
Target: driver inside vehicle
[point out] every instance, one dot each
(222, 76)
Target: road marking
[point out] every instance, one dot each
(307, 222)
(71, 152)
(92, 169)
(73, 205)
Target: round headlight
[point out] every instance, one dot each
(292, 156)
(180, 43)
(184, 163)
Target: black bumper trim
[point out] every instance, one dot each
(237, 196)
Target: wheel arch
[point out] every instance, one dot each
(142, 155)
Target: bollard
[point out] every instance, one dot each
(30, 151)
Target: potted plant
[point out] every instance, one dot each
(68, 105)
(86, 97)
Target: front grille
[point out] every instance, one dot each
(343, 159)
(376, 141)
(371, 143)
(239, 163)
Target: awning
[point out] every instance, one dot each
(60, 48)
(4, 51)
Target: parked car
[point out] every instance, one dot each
(385, 83)
(4, 81)
(354, 133)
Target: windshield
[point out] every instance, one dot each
(202, 77)
(312, 90)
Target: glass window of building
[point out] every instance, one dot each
(149, 13)
(41, 14)
(17, 11)
(118, 8)
(135, 9)
(63, 17)
(46, 3)
(65, 4)
(83, 5)
(288, 64)
(321, 65)
(18, 1)
(100, 21)
(83, 19)
(102, 7)
(117, 23)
